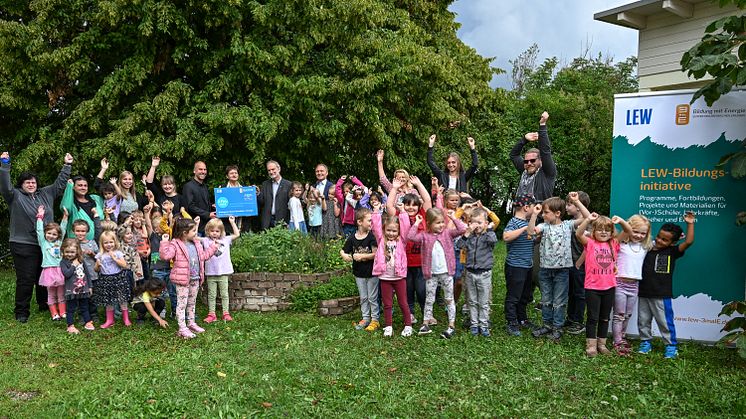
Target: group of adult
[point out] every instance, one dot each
(536, 168)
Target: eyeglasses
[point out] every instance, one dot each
(527, 161)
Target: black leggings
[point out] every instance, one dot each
(599, 305)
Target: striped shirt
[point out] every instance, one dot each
(520, 250)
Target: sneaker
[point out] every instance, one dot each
(424, 330)
(671, 352)
(575, 328)
(227, 317)
(185, 333)
(388, 331)
(89, 326)
(621, 349)
(73, 330)
(645, 347)
(56, 317)
(413, 318)
(22, 319)
(474, 330)
(373, 326)
(527, 324)
(194, 327)
(486, 332)
(514, 330)
(210, 318)
(407, 331)
(448, 333)
(556, 335)
(542, 331)
(362, 324)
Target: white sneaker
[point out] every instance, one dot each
(413, 318)
(388, 331)
(407, 331)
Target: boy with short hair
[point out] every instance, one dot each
(575, 323)
(555, 260)
(656, 286)
(518, 266)
(360, 249)
(479, 242)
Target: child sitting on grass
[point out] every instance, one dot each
(360, 249)
(656, 287)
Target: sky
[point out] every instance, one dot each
(502, 29)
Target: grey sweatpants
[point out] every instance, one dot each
(661, 310)
(368, 290)
(480, 298)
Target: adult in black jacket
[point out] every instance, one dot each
(536, 167)
(197, 197)
(453, 175)
(23, 203)
(273, 197)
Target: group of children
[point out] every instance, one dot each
(135, 262)
(407, 238)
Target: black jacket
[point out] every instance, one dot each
(264, 199)
(196, 200)
(462, 184)
(547, 174)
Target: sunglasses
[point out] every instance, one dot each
(532, 161)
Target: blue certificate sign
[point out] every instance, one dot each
(238, 202)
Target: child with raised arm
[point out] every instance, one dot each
(518, 265)
(601, 251)
(390, 266)
(78, 285)
(555, 260)
(632, 250)
(50, 238)
(438, 263)
(360, 249)
(479, 242)
(575, 323)
(218, 267)
(656, 287)
(411, 205)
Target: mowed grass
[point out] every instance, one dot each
(288, 364)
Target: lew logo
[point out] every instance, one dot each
(682, 114)
(639, 116)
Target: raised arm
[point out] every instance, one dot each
(583, 210)
(382, 173)
(414, 235)
(531, 229)
(6, 188)
(545, 149)
(104, 168)
(437, 172)
(151, 173)
(390, 208)
(510, 235)
(580, 230)
(474, 159)
(515, 152)
(460, 226)
(427, 202)
(236, 231)
(58, 187)
(689, 240)
(626, 228)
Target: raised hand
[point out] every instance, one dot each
(94, 212)
(616, 219)
(434, 182)
(5, 155)
(471, 142)
(593, 216)
(196, 220)
(418, 219)
(40, 212)
(147, 208)
(65, 214)
(689, 217)
(396, 184)
(105, 163)
(149, 195)
(431, 141)
(379, 155)
(537, 209)
(68, 158)
(531, 136)
(573, 196)
(400, 207)
(155, 161)
(415, 180)
(113, 180)
(543, 118)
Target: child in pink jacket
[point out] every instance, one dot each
(438, 263)
(188, 271)
(390, 266)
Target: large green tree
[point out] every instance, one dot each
(232, 81)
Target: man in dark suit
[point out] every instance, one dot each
(273, 197)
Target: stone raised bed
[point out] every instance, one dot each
(338, 306)
(268, 291)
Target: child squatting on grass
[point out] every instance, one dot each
(360, 248)
(656, 287)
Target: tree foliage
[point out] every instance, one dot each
(232, 82)
(721, 54)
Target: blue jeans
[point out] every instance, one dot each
(301, 227)
(553, 284)
(348, 230)
(165, 276)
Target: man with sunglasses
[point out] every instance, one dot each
(536, 167)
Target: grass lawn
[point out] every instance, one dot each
(288, 364)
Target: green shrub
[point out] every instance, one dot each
(307, 299)
(281, 250)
